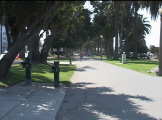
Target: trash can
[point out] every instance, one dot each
(123, 58)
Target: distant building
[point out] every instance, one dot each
(154, 49)
(3, 40)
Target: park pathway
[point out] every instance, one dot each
(101, 91)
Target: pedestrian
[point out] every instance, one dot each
(81, 55)
(89, 54)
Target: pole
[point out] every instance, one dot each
(70, 60)
(160, 49)
(28, 71)
(56, 74)
(101, 47)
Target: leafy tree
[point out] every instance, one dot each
(57, 43)
(25, 37)
(25, 20)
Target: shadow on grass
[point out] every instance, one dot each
(82, 102)
(66, 68)
(60, 59)
(39, 73)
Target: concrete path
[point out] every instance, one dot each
(101, 91)
(39, 101)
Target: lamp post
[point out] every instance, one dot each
(101, 46)
(159, 73)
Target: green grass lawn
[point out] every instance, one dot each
(99, 57)
(39, 73)
(138, 65)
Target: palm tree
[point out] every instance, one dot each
(152, 7)
(144, 26)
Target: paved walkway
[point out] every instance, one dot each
(39, 101)
(101, 91)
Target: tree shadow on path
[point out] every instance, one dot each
(81, 69)
(93, 103)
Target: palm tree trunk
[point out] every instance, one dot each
(95, 46)
(116, 57)
(127, 45)
(111, 47)
(135, 52)
(98, 46)
(106, 46)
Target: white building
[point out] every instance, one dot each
(3, 40)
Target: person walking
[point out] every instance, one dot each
(81, 55)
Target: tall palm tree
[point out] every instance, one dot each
(152, 7)
(144, 26)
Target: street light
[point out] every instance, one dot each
(101, 46)
(159, 73)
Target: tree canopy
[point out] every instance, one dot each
(69, 20)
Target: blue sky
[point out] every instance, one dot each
(151, 39)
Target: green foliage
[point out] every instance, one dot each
(142, 48)
(72, 22)
(78, 29)
(57, 42)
